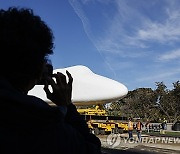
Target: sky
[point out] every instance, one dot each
(135, 42)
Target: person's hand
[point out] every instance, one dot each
(61, 89)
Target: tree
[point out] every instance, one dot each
(175, 94)
(163, 97)
(137, 103)
(150, 104)
(168, 100)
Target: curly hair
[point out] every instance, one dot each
(25, 42)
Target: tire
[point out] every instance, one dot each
(121, 130)
(116, 130)
(96, 131)
(102, 132)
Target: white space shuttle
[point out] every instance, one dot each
(88, 88)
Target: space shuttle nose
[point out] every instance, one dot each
(124, 90)
(88, 88)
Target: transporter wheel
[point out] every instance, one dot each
(102, 132)
(96, 131)
(116, 130)
(121, 131)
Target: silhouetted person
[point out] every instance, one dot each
(28, 125)
(147, 125)
(163, 126)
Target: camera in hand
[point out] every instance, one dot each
(47, 72)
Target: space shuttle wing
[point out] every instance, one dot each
(88, 88)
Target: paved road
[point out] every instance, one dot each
(113, 145)
(140, 150)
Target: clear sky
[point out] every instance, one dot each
(135, 42)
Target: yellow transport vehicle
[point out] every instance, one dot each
(100, 123)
